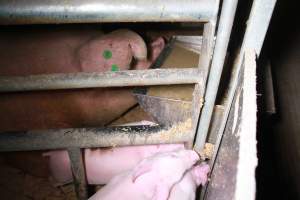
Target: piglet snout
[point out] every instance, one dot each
(200, 173)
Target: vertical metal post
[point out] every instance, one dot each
(223, 35)
(78, 172)
(207, 47)
(257, 26)
(204, 63)
(256, 30)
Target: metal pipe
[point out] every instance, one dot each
(94, 137)
(106, 79)
(94, 11)
(223, 35)
(257, 26)
(78, 172)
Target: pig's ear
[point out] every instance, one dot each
(156, 48)
(140, 170)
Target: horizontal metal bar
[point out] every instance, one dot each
(94, 137)
(93, 11)
(93, 80)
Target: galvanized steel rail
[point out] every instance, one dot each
(106, 79)
(95, 11)
(223, 35)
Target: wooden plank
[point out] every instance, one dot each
(233, 173)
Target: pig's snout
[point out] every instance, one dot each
(200, 173)
(189, 157)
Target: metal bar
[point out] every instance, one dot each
(223, 35)
(94, 137)
(204, 63)
(78, 172)
(215, 125)
(197, 103)
(257, 26)
(93, 11)
(107, 79)
(207, 47)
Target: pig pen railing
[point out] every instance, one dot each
(75, 139)
(107, 79)
(94, 11)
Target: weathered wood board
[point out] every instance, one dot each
(233, 173)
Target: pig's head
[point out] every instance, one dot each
(165, 169)
(112, 52)
(169, 167)
(200, 173)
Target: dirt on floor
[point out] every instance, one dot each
(15, 184)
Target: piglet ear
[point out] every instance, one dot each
(140, 170)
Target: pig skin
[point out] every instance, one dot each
(102, 164)
(122, 50)
(186, 188)
(152, 178)
(65, 51)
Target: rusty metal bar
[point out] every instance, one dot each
(78, 172)
(106, 79)
(94, 137)
(95, 11)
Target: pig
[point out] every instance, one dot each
(116, 51)
(152, 178)
(102, 164)
(186, 188)
(69, 51)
